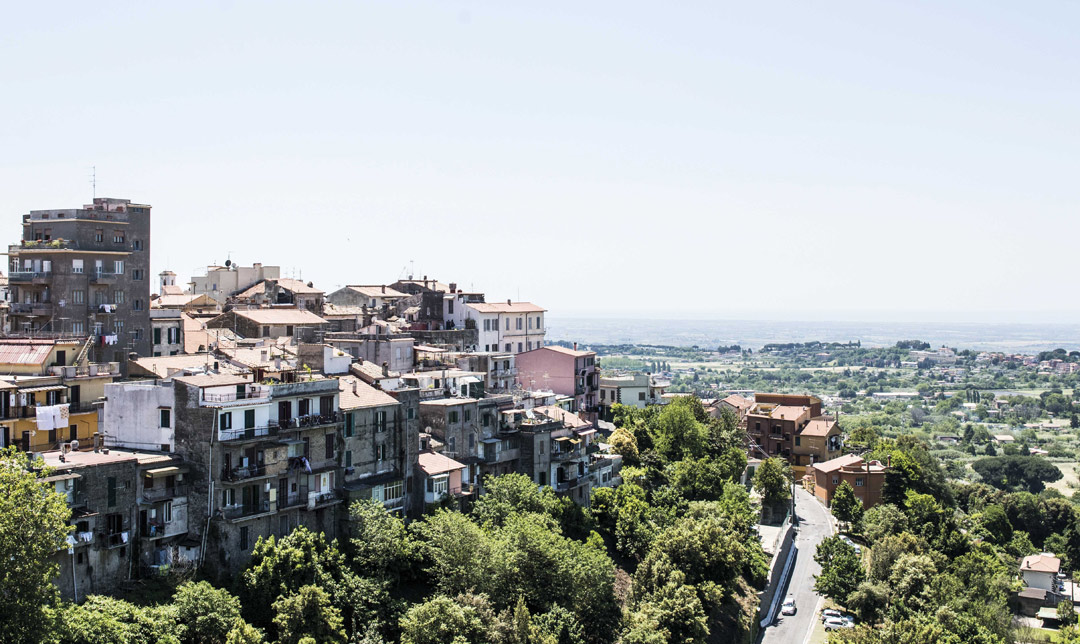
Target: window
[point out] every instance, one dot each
(167, 511)
(538, 323)
(441, 484)
(508, 347)
(798, 441)
(266, 332)
(249, 419)
(136, 244)
(519, 347)
(138, 334)
(453, 416)
(228, 497)
(410, 413)
(507, 324)
(99, 235)
(541, 446)
(529, 345)
(157, 335)
(112, 491)
(118, 296)
(393, 491)
(468, 415)
(487, 325)
(243, 537)
(602, 392)
(78, 296)
(76, 266)
(542, 478)
(78, 328)
(164, 417)
(348, 458)
(858, 481)
(52, 437)
(380, 452)
(380, 421)
(348, 425)
(136, 305)
(118, 267)
(329, 446)
(174, 335)
(486, 420)
(530, 323)
(137, 274)
(118, 237)
(641, 395)
(225, 421)
(836, 480)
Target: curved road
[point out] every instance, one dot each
(814, 525)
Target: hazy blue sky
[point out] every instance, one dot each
(847, 160)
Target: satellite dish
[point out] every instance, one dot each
(228, 263)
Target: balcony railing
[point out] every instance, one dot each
(113, 539)
(243, 473)
(250, 394)
(28, 276)
(570, 483)
(103, 276)
(163, 493)
(31, 308)
(247, 433)
(311, 420)
(566, 455)
(239, 511)
(294, 499)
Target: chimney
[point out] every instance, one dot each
(384, 288)
(215, 365)
(453, 287)
(385, 369)
(575, 346)
(508, 302)
(263, 355)
(355, 387)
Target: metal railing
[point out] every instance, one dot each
(565, 455)
(294, 499)
(243, 473)
(26, 276)
(163, 493)
(239, 511)
(112, 539)
(247, 433)
(311, 420)
(257, 392)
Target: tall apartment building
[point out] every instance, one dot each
(85, 272)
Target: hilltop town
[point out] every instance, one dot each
(412, 461)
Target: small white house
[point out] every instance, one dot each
(1039, 571)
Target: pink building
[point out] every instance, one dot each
(564, 371)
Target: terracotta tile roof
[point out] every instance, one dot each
(818, 427)
(570, 352)
(357, 394)
(567, 418)
(433, 463)
(376, 291)
(171, 289)
(297, 317)
(502, 307)
(837, 463)
(258, 288)
(331, 310)
(738, 402)
(1040, 563)
(296, 286)
(432, 285)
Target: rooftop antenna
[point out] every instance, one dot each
(93, 179)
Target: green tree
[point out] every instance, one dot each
(772, 480)
(244, 633)
(442, 620)
(673, 611)
(1066, 613)
(678, 432)
(308, 613)
(380, 545)
(996, 524)
(1017, 472)
(33, 528)
(882, 520)
(845, 506)
(869, 600)
(841, 570)
(204, 614)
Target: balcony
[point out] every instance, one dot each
(154, 494)
(236, 512)
(294, 499)
(243, 473)
(247, 433)
(311, 421)
(251, 393)
(571, 483)
(103, 277)
(24, 277)
(42, 245)
(504, 373)
(112, 539)
(565, 455)
(31, 308)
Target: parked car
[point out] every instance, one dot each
(829, 612)
(789, 607)
(833, 623)
(846, 539)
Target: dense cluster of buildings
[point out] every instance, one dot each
(182, 423)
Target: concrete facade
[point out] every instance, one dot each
(85, 272)
(564, 371)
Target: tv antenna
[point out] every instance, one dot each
(93, 179)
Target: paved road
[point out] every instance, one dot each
(813, 527)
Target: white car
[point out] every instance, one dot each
(833, 623)
(789, 607)
(829, 612)
(846, 539)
